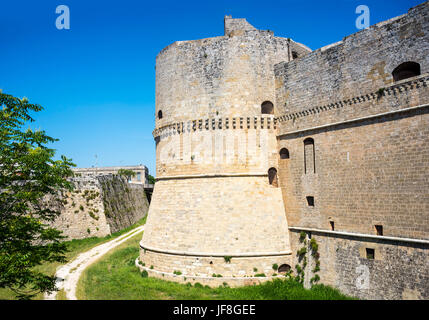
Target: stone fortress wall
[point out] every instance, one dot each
(342, 157)
(99, 205)
(213, 151)
(367, 164)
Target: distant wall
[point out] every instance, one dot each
(99, 206)
(124, 203)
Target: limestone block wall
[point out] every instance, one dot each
(352, 71)
(182, 218)
(226, 76)
(368, 156)
(99, 206)
(192, 231)
(214, 148)
(369, 173)
(219, 145)
(370, 152)
(124, 203)
(398, 270)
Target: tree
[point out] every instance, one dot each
(28, 176)
(151, 179)
(126, 173)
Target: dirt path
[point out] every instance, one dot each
(68, 275)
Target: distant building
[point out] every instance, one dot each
(141, 171)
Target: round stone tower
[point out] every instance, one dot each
(216, 208)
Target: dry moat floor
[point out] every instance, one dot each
(115, 276)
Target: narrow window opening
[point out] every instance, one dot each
(309, 156)
(284, 268)
(379, 230)
(310, 201)
(406, 70)
(370, 253)
(294, 54)
(332, 223)
(159, 114)
(267, 107)
(284, 153)
(272, 177)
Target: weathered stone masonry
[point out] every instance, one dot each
(342, 157)
(371, 156)
(214, 149)
(100, 205)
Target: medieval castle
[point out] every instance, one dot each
(265, 147)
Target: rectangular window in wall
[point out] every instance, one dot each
(309, 156)
(370, 253)
(139, 176)
(379, 229)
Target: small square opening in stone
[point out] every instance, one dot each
(310, 201)
(379, 229)
(332, 223)
(370, 253)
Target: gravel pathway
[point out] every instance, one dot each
(68, 275)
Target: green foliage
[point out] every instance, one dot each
(255, 269)
(260, 275)
(275, 266)
(93, 216)
(107, 278)
(126, 173)
(144, 274)
(315, 253)
(301, 252)
(216, 275)
(151, 179)
(302, 236)
(28, 174)
(314, 246)
(315, 279)
(177, 273)
(227, 259)
(380, 92)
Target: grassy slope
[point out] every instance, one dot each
(115, 277)
(75, 247)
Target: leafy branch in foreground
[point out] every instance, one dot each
(29, 178)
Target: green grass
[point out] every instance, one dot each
(75, 247)
(115, 277)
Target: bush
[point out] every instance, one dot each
(144, 274)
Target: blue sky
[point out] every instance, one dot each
(96, 81)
